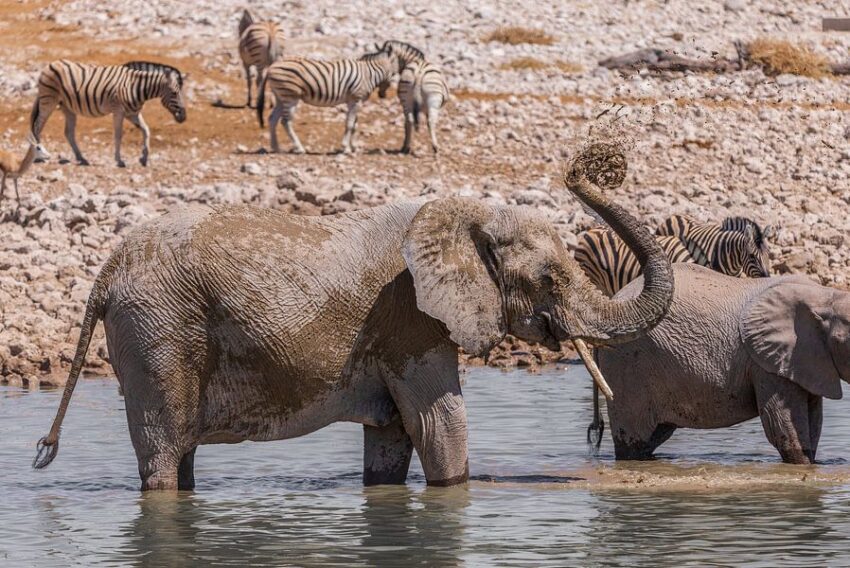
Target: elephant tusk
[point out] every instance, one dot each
(587, 358)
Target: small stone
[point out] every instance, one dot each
(251, 168)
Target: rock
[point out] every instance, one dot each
(735, 5)
(795, 263)
(252, 168)
(289, 180)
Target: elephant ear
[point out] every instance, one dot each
(786, 330)
(450, 253)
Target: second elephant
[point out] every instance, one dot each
(731, 349)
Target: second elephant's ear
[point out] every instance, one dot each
(786, 329)
(450, 254)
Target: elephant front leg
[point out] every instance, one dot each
(386, 454)
(434, 416)
(788, 420)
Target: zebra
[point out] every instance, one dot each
(95, 90)
(323, 83)
(420, 86)
(260, 45)
(737, 246)
(610, 264)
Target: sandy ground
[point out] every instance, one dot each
(773, 148)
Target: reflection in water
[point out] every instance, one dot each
(779, 528)
(716, 497)
(393, 526)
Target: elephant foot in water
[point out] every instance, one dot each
(631, 445)
(386, 454)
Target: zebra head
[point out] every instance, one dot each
(172, 95)
(406, 53)
(756, 257)
(386, 62)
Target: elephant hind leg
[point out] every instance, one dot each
(784, 408)
(640, 444)
(386, 454)
(186, 471)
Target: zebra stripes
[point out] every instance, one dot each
(421, 87)
(323, 83)
(740, 249)
(260, 45)
(610, 264)
(737, 246)
(94, 91)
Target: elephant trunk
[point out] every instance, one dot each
(603, 320)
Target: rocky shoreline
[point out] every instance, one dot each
(773, 148)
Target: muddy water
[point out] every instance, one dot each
(538, 499)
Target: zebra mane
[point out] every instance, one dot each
(406, 46)
(150, 66)
(740, 224)
(372, 55)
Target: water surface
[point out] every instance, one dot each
(538, 498)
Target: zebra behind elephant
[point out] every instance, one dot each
(323, 83)
(421, 87)
(737, 246)
(610, 264)
(260, 45)
(95, 90)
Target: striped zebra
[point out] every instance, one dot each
(260, 45)
(421, 86)
(94, 90)
(737, 246)
(610, 264)
(323, 83)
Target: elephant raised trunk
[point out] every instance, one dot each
(604, 321)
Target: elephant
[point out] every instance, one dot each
(235, 323)
(731, 349)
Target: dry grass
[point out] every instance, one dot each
(532, 64)
(777, 57)
(517, 35)
(523, 64)
(569, 67)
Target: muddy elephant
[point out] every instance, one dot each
(731, 349)
(236, 323)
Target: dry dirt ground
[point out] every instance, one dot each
(773, 148)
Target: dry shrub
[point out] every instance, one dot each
(523, 63)
(569, 67)
(532, 64)
(777, 57)
(517, 35)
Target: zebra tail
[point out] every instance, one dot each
(275, 49)
(261, 98)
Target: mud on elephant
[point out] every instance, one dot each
(729, 350)
(236, 323)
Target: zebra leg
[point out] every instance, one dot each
(248, 82)
(433, 117)
(408, 132)
(118, 127)
(288, 115)
(139, 123)
(273, 120)
(71, 136)
(350, 123)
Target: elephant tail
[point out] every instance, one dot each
(48, 446)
